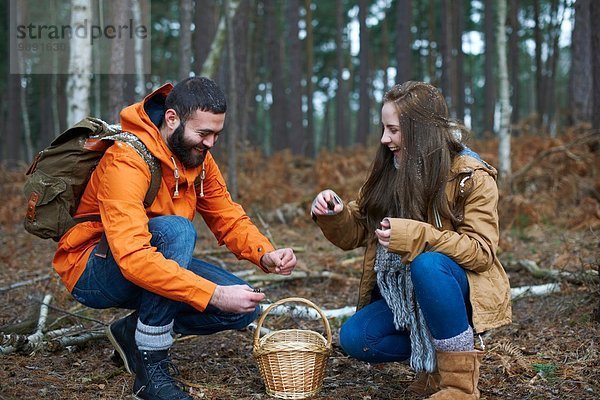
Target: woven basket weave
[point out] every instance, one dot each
(292, 361)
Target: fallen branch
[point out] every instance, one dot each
(294, 275)
(537, 272)
(537, 290)
(27, 344)
(25, 283)
(307, 312)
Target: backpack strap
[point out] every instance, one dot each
(155, 178)
(152, 162)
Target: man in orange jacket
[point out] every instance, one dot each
(149, 265)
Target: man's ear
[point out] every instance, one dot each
(171, 119)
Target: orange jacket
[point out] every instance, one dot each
(116, 192)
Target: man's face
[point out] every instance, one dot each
(191, 141)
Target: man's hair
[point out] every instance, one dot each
(427, 146)
(196, 93)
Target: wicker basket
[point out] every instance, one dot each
(292, 361)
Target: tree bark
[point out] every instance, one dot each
(341, 132)
(206, 18)
(513, 57)
(539, 74)
(595, 51)
(80, 65)
(186, 11)
(313, 144)
(116, 79)
(364, 110)
(277, 110)
(581, 80)
(489, 104)
(504, 131)
(404, 41)
(295, 130)
(232, 111)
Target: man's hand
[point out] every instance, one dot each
(327, 203)
(280, 261)
(383, 234)
(236, 299)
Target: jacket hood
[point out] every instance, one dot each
(144, 118)
(469, 161)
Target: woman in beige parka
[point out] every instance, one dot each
(427, 216)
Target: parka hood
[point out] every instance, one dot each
(144, 119)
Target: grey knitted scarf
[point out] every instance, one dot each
(395, 285)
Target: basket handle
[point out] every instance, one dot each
(289, 300)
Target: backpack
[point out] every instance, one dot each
(59, 174)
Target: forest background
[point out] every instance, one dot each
(304, 81)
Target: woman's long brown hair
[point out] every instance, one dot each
(428, 147)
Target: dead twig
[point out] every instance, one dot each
(25, 283)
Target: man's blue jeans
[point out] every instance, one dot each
(102, 285)
(442, 292)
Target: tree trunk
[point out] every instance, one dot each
(276, 61)
(459, 88)
(295, 130)
(186, 11)
(448, 60)
(206, 18)
(539, 74)
(364, 109)
(232, 111)
(140, 80)
(581, 80)
(80, 65)
(116, 79)
(341, 132)
(504, 131)
(313, 143)
(211, 64)
(595, 51)
(243, 33)
(489, 104)
(404, 41)
(513, 57)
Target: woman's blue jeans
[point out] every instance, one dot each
(102, 285)
(442, 292)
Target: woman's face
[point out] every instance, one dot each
(392, 137)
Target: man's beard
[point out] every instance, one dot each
(185, 151)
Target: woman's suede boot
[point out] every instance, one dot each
(426, 384)
(459, 372)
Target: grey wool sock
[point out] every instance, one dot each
(461, 342)
(153, 338)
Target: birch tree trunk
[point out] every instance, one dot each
(116, 79)
(504, 95)
(211, 64)
(140, 81)
(80, 65)
(313, 143)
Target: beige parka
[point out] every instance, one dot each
(472, 190)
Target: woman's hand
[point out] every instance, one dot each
(383, 234)
(327, 203)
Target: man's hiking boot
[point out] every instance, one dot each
(121, 334)
(153, 377)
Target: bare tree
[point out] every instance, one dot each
(489, 103)
(594, 16)
(116, 80)
(310, 57)
(342, 133)
(80, 64)
(580, 85)
(403, 41)
(295, 129)
(186, 11)
(504, 98)
(364, 110)
(513, 58)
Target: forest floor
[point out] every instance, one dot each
(550, 218)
